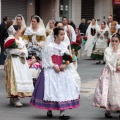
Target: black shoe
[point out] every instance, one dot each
(98, 62)
(49, 114)
(63, 117)
(103, 62)
(108, 115)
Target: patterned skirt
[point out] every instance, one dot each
(107, 93)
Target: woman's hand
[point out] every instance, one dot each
(56, 68)
(62, 67)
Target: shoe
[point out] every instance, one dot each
(63, 117)
(108, 115)
(98, 62)
(103, 62)
(17, 102)
(12, 101)
(49, 114)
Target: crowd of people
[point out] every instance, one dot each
(41, 62)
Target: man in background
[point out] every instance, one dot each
(3, 36)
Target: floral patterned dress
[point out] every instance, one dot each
(107, 93)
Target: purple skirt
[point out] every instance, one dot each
(38, 95)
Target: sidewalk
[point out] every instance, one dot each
(1, 67)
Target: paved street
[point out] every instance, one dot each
(89, 73)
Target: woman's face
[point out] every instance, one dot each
(115, 41)
(33, 59)
(59, 25)
(76, 31)
(19, 20)
(60, 36)
(93, 22)
(34, 23)
(103, 25)
(51, 24)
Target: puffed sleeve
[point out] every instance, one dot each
(26, 36)
(111, 59)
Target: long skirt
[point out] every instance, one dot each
(10, 81)
(38, 96)
(107, 93)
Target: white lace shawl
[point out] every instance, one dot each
(50, 39)
(39, 32)
(111, 57)
(49, 50)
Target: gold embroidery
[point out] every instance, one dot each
(25, 37)
(29, 37)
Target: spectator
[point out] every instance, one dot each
(3, 36)
(83, 26)
(72, 24)
(88, 23)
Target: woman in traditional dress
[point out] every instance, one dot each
(35, 34)
(101, 43)
(107, 93)
(90, 33)
(18, 79)
(78, 40)
(50, 26)
(19, 20)
(56, 88)
(72, 67)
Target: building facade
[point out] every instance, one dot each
(56, 9)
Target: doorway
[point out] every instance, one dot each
(116, 13)
(37, 7)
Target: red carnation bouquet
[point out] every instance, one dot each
(11, 44)
(67, 58)
(75, 46)
(85, 38)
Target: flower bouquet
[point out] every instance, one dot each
(75, 46)
(108, 40)
(11, 43)
(85, 38)
(67, 58)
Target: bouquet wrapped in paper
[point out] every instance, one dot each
(67, 58)
(11, 43)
